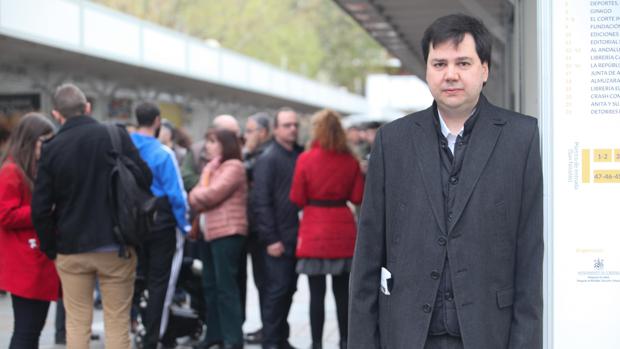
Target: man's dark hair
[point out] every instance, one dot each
(453, 28)
(146, 113)
(281, 110)
(69, 101)
(261, 119)
(231, 149)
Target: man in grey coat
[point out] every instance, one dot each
(450, 245)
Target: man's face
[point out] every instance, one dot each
(252, 135)
(455, 75)
(165, 136)
(286, 130)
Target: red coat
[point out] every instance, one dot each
(326, 232)
(24, 270)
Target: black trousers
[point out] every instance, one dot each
(280, 285)
(340, 288)
(242, 279)
(29, 317)
(154, 264)
(59, 322)
(258, 269)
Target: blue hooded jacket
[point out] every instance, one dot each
(167, 180)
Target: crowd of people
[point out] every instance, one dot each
(233, 195)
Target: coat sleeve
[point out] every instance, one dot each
(144, 177)
(231, 175)
(14, 212)
(173, 187)
(298, 186)
(368, 257)
(262, 200)
(526, 329)
(42, 207)
(357, 193)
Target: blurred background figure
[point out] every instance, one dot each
(175, 139)
(368, 132)
(276, 220)
(4, 140)
(355, 140)
(257, 138)
(221, 198)
(326, 178)
(197, 158)
(161, 253)
(26, 272)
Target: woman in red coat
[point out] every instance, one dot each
(25, 271)
(327, 177)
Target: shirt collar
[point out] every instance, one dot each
(446, 131)
(444, 128)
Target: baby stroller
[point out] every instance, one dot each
(186, 313)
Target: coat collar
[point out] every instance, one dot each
(484, 136)
(76, 121)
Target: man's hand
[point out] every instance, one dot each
(276, 249)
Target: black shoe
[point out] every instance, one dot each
(60, 341)
(255, 337)
(94, 337)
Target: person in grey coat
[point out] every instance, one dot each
(450, 244)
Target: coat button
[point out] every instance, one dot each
(449, 296)
(427, 308)
(454, 180)
(435, 275)
(441, 242)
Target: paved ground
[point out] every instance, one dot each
(298, 318)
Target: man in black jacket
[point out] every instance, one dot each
(276, 222)
(73, 220)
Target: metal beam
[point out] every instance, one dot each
(495, 27)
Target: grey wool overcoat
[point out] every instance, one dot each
(494, 240)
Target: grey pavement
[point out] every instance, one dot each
(298, 318)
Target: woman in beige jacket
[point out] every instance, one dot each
(221, 198)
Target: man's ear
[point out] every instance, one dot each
(88, 108)
(58, 117)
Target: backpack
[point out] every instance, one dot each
(133, 207)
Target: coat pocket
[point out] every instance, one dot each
(505, 298)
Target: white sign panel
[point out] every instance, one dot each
(586, 181)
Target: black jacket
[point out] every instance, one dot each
(274, 215)
(70, 209)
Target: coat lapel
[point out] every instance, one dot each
(426, 148)
(484, 136)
